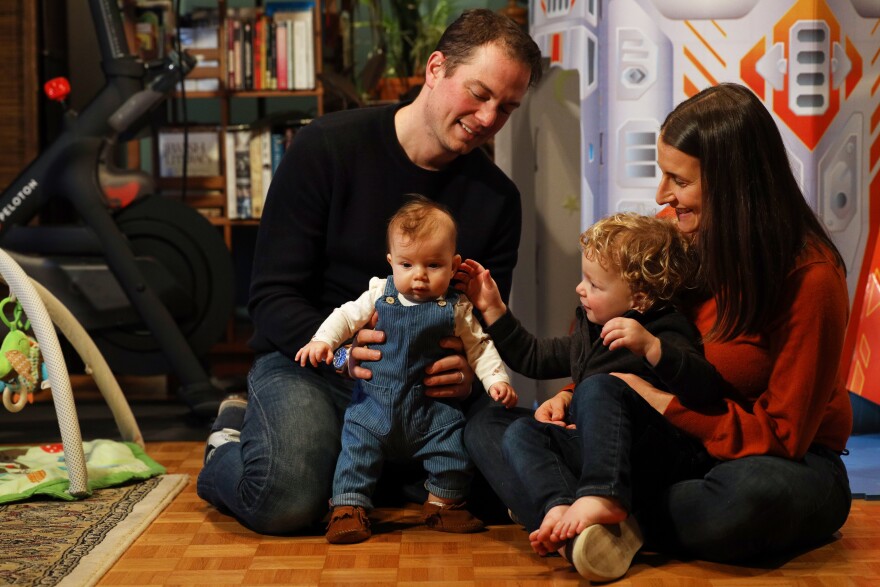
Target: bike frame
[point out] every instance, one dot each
(73, 167)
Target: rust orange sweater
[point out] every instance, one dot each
(789, 393)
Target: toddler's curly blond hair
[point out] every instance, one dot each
(650, 254)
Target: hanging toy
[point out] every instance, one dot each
(45, 384)
(16, 340)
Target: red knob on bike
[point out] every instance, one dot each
(57, 89)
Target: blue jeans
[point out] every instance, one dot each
(685, 502)
(415, 428)
(278, 479)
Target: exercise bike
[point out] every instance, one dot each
(148, 277)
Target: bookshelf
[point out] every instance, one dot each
(219, 100)
(19, 110)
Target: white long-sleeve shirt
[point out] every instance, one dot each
(481, 353)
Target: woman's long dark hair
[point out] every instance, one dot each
(755, 220)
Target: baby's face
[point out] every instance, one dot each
(604, 294)
(422, 269)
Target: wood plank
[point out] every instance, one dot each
(191, 543)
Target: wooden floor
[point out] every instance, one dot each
(192, 544)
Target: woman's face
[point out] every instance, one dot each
(680, 186)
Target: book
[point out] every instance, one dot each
(281, 137)
(202, 147)
(247, 54)
(300, 55)
(238, 35)
(266, 168)
(153, 21)
(270, 54)
(288, 25)
(238, 172)
(231, 17)
(281, 55)
(260, 52)
(278, 149)
(299, 22)
(256, 172)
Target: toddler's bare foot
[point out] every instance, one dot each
(586, 511)
(542, 540)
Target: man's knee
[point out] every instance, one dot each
(485, 428)
(286, 512)
(519, 436)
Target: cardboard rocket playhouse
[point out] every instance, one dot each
(814, 63)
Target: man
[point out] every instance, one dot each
(270, 460)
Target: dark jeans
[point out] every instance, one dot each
(685, 503)
(278, 479)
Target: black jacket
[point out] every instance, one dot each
(682, 370)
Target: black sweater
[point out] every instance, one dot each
(682, 369)
(322, 234)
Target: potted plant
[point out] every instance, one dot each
(404, 33)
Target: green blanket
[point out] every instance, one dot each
(27, 471)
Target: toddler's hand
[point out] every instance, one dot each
(477, 283)
(627, 333)
(504, 393)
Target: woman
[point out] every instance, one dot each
(768, 478)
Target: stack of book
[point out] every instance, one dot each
(271, 47)
(253, 153)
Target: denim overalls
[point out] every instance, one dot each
(389, 415)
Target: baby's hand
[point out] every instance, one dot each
(314, 352)
(504, 393)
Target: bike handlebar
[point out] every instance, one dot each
(177, 66)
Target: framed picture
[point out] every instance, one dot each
(203, 148)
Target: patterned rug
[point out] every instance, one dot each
(73, 543)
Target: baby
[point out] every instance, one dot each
(389, 416)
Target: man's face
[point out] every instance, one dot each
(469, 106)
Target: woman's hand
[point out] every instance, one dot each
(477, 284)
(658, 399)
(555, 410)
(450, 376)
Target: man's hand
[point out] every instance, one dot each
(360, 352)
(451, 376)
(555, 410)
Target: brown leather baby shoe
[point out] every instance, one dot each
(348, 524)
(451, 517)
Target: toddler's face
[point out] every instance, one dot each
(604, 294)
(422, 269)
